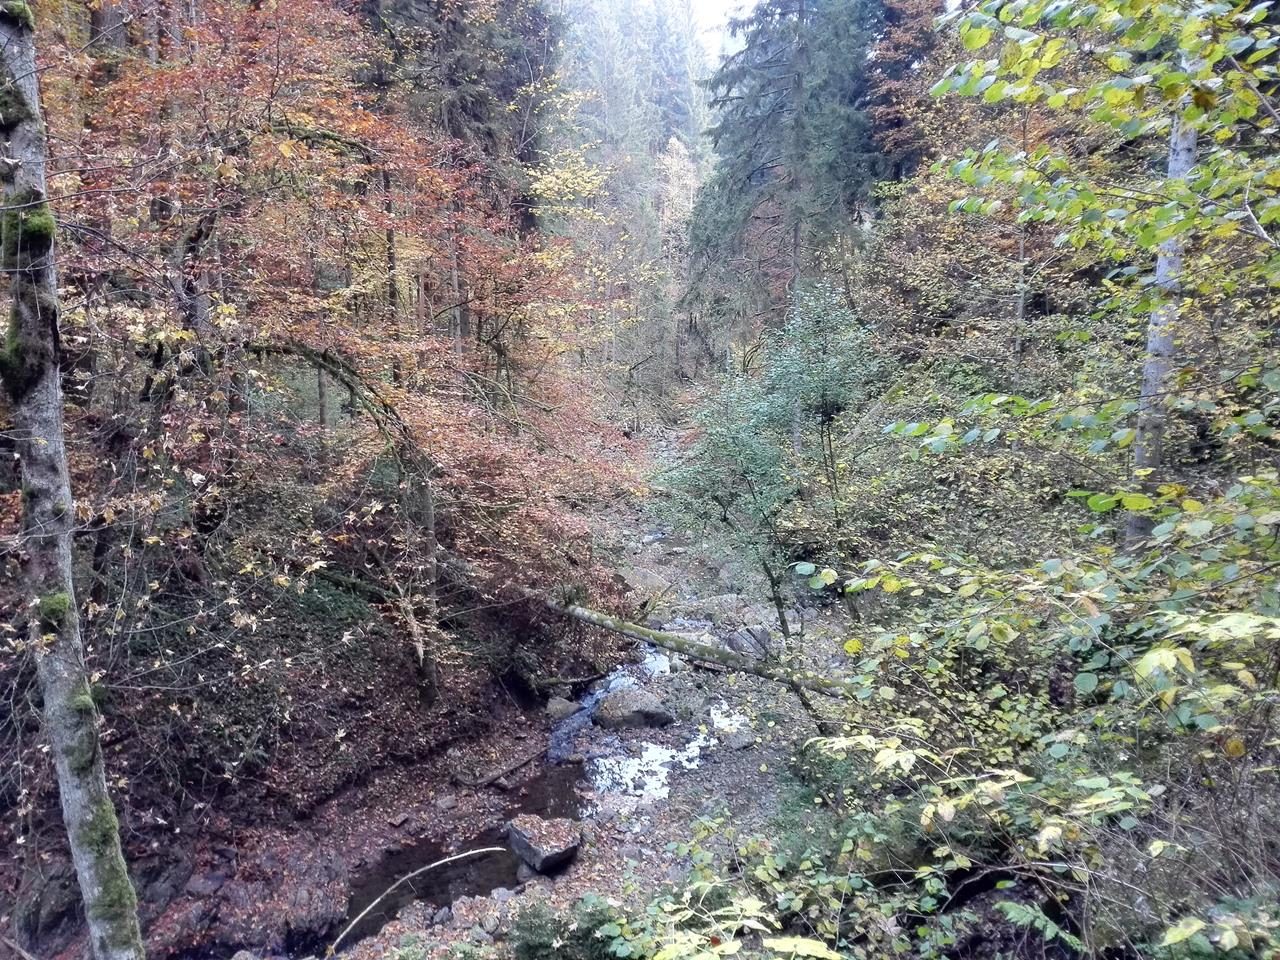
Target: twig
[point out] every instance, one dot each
(333, 947)
(489, 778)
(16, 949)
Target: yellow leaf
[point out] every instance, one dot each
(1234, 748)
(801, 947)
(1184, 929)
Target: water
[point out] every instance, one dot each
(552, 794)
(643, 778)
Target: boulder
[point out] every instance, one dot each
(632, 707)
(644, 582)
(750, 641)
(559, 708)
(545, 845)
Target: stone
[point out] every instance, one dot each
(243, 955)
(443, 917)
(480, 935)
(545, 845)
(489, 923)
(753, 641)
(205, 884)
(525, 873)
(560, 708)
(446, 802)
(644, 582)
(398, 820)
(632, 707)
(502, 895)
(740, 739)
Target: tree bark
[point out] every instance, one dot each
(29, 366)
(1162, 341)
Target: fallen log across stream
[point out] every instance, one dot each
(798, 680)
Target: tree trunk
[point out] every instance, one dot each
(29, 368)
(1162, 341)
(108, 27)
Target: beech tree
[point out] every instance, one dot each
(32, 377)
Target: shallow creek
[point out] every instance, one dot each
(635, 774)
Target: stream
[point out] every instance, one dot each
(564, 789)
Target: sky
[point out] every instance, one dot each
(712, 15)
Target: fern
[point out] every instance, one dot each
(1030, 916)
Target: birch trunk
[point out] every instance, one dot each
(29, 368)
(1162, 340)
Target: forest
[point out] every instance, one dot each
(655, 479)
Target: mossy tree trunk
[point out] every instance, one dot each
(29, 368)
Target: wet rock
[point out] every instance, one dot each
(545, 845)
(559, 708)
(632, 707)
(446, 802)
(753, 641)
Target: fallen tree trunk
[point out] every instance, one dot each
(795, 679)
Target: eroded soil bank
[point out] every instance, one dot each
(289, 888)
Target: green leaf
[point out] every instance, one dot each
(1086, 682)
(801, 947)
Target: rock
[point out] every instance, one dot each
(545, 845)
(525, 873)
(632, 707)
(442, 917)
(753, 641)
(446, 802)
(740, 739)
(644, 582)
(724, 606)
(205, 884)
(501, 895)
(243, 955)
(558, 708)
(480, 935)
(489, 923)
(398, 820)
(47, 910)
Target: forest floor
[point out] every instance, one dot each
(726, 756)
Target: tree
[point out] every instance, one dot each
(32, 376)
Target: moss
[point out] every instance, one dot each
(28, 228)
(19, 12)
(82, 753)
(116, 904)
(82, 701)
(14, 108)
(54, 608)
(101, 832)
